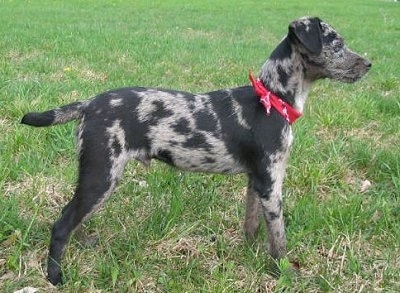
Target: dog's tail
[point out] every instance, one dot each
(60, 115)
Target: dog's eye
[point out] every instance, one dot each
(338, 45)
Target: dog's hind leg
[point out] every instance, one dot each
(98, 175)
(252, 218)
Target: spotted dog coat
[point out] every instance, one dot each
(224, 131)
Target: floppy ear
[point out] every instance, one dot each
(308, 32)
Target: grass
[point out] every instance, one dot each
(168, 231)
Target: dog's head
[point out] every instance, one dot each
(324, 51)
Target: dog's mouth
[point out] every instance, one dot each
(352, 79)
(353, 74)
(355, 68)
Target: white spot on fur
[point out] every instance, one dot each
(116, 102)
(301, 96)
(79, 139)
(239, 114)
(118, 161)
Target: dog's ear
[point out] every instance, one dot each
(308, 32)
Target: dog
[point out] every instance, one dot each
(240, 130)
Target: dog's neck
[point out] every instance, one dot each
(283, 74)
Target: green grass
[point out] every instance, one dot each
(168, 231)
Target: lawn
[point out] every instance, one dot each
(169, 231)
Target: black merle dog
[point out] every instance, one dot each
(225, 131)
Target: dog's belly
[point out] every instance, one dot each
(201, 161)
(211, 159)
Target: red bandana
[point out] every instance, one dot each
(268, 99)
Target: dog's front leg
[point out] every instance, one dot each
(271, 203)
(267, 184)
(275, 226)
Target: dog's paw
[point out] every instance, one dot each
(55, 278)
